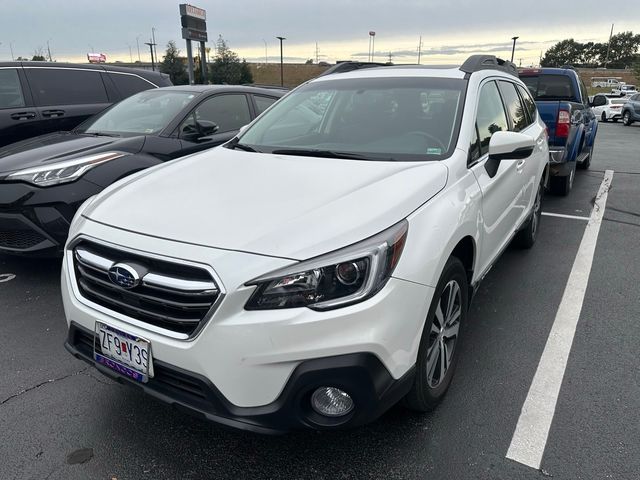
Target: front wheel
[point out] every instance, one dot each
(439, 346)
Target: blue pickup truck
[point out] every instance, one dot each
(564, 106)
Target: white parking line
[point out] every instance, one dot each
(6, 277)
(562, 215)
(532, 431)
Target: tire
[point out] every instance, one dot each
(526, 237)
(626, 118)
(603, 117)
(563, 185)
(586, 163)
(431, 381)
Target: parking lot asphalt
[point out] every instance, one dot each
(52, 405)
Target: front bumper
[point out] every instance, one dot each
(35, 221)
(249, 359)
(363, 375)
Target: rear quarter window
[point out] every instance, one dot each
(127, 84)
(10, 89)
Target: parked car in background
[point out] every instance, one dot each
(605, 82)
(606, 108)
(318, 268)
(631, 110)
(44, 180)
(562, 101)
(624, 90)
(40, 97)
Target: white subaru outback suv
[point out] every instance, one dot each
(318, 268)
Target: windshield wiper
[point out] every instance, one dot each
(242, 146)
(324, 154)
(102, 134)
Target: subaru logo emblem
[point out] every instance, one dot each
(124, 276)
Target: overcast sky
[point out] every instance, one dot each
(450, 30)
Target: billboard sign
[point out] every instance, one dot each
(187, 10)
(96, 57)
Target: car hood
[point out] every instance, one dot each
(59, 146)
(283, 206)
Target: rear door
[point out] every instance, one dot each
(599, 104)
(66, 96)
(18, 116)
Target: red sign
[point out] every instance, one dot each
(96, 57)
(191, 11)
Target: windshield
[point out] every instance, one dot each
(549, 87)
(373, 119)
(147, 112)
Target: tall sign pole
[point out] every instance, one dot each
(194, 27)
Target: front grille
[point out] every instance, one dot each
(20, 239)
(169, 295)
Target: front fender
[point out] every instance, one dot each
(436, 228)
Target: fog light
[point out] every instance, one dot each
(331, 402)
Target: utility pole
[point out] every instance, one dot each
(419, 49)
(49, 51)
(606, 62)
(138, 44)
(266, 57)
(513, 50)
(153, 39)
(13, 59)
(151, 45)
(317, 53)
(281, 62)
(390, 58)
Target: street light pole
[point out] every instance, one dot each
(151, 45)
(138, 44)
(266, 58)
(513, 50)
(281, 62)
(372, 36)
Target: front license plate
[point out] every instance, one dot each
(125, 353)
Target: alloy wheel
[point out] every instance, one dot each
(443, 335)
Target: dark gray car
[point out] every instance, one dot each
(44, 97)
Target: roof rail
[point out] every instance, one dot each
(475, 63)
(265, 85)
(348, 66)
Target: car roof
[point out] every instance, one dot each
(277, 92)
(101, 67)
(390, 71)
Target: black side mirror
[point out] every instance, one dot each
(200, 131)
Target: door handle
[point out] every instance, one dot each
(23, 115)
(52, 113)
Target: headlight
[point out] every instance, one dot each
(62, 172)
(337, 279)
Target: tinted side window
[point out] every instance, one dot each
(491, 116)
(10, 89)
(127, 85)
(514, 106)
(529, 104)
(66, 86)
(229, 112)
(262, 103)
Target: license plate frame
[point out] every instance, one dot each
(133, 344)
